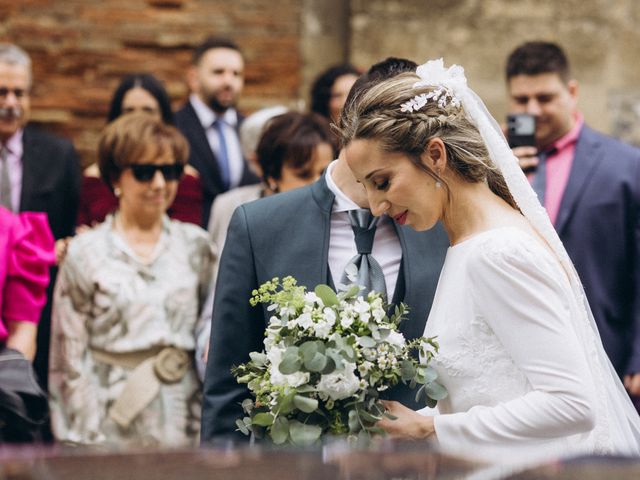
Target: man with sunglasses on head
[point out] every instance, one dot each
(38, 171)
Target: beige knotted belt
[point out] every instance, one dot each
(149, 368)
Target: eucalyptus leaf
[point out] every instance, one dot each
(407, 370)
(368, 417)
(308, 350)
(330, 367)
(335, 357)
(436, 391)
(352, 292)
(247, 405)
(305, 404)
(317, 363)
(242, 427)
(305, 389)
(280, 430)
(428, 374)
(262, 419)
(354, 422)
(290, 363)
(366, 342)
(302, 434)
(327, 295)
(384, 333)
(349, 353)
(285, 405)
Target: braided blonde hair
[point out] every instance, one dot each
(375, 114)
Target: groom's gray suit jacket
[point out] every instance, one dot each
(288, 234)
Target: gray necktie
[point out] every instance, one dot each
(5, 181)
(370, 273)
(223, 153)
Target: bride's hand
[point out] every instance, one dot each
(408, 423)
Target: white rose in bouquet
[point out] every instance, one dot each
(339, 384)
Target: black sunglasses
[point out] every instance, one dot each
(146, 172)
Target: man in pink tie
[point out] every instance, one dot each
(590, 185)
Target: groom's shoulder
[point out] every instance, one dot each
(279, 205)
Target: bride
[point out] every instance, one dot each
(519, 350)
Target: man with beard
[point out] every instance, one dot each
(210, 121)
(38, 171)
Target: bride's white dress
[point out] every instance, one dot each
(518, 381)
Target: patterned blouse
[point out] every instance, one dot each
(107, 300)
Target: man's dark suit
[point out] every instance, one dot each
(599, 224)
(288, 234)
(50, 184)
(204, 160)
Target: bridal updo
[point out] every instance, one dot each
(376, 112)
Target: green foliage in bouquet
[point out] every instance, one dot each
(327, 357)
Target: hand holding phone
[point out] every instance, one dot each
(521, 130)
(521, 133)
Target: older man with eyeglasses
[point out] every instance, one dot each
(38, 171)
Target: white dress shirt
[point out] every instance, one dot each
(342, 246)
(234, 152)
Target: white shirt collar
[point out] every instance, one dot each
(208, 116)
(342, 203)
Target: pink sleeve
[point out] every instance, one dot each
(31, 255)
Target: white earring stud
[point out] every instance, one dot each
(438, 184)
(117, 192)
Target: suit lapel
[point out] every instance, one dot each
(205, 160)
(32, 158)
(423, 256)
(586, 160)
(323, 198)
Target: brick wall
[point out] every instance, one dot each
(81, 49)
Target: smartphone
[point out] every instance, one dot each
(521, 130)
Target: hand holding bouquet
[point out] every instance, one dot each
(327, 357)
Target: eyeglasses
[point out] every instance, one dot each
(18, 92)
(146, 172)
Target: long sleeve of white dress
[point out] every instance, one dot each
(519, 292)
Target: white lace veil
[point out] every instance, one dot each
(617, 422)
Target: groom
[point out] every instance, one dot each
(306, 233)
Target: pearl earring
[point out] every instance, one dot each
(117, 192)
(438, 184)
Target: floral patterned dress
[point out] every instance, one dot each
(106, 300)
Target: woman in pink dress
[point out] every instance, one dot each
(26, 252)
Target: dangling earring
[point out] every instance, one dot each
(117, 192)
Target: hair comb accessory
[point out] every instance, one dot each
(447, 80)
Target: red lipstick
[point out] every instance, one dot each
(401, 218)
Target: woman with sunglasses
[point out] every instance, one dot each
(139, 92)
(127, 301)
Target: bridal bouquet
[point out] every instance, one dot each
(327, 357)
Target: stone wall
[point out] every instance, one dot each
(601, 38)
(81, 48)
